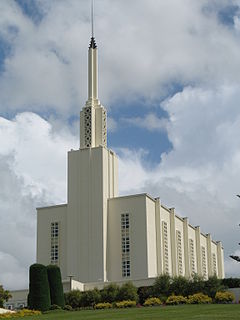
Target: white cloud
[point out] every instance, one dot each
(200, 176)
(33, 173)
(150, 122)
(47, 65)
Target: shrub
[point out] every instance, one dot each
(55, 284)
(90, 298)
(224, 297)
(176, 300)
(212, 286)
(144, 293)
(39, 292)
(195, 285)
(20, 314)
(103, 305)
(231, 282)
(67, 307)
(127, 292)
(73, 298)
(125, 304)
(199, 298)
(110, 293)
(161, 286)
(179, 286)
(55, 307)
(152, 302)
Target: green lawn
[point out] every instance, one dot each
(195, 312)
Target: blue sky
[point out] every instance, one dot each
(169, 78)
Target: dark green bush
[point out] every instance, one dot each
(212, 286)
(109, 293)
(55, 307)
(73, 298)
(162, 286)
(90, 298)
(144, 293)
(39, 292)
(179, 286)
(127, 292)
(231, 282)
(195, 285)
(67, 307)
(55, 284)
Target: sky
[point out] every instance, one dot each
(169, 76)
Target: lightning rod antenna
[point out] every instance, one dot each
(92, 17)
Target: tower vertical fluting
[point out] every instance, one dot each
(93, 117)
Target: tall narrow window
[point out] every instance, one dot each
(179, 252)
(165, 247)
(214, 264)
(54, 243)
(204, 262)
(192, 257)
(125, 224)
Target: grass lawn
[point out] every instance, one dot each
(195, 312)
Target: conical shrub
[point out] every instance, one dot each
(55, 284)
(39, 293)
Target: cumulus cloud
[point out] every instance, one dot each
(150, 122)
(33, 174)
(200, 175)
(47, 65)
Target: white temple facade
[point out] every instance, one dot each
(99, 236)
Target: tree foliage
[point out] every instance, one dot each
(4, 296)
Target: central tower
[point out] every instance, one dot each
(92, 180)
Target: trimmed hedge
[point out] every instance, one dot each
(39, 292)
(55, 284)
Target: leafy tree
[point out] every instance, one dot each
(127, 292)
(110, 293)
(4, 296)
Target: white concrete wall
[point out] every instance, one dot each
(45, 216)
(141, 261)
(89, 184)
(165, 216)
(151, 237)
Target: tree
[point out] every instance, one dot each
(236, 258)
(4, 296)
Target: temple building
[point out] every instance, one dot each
(98, 236)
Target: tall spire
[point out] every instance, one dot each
(93, 117)
(92, 62)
